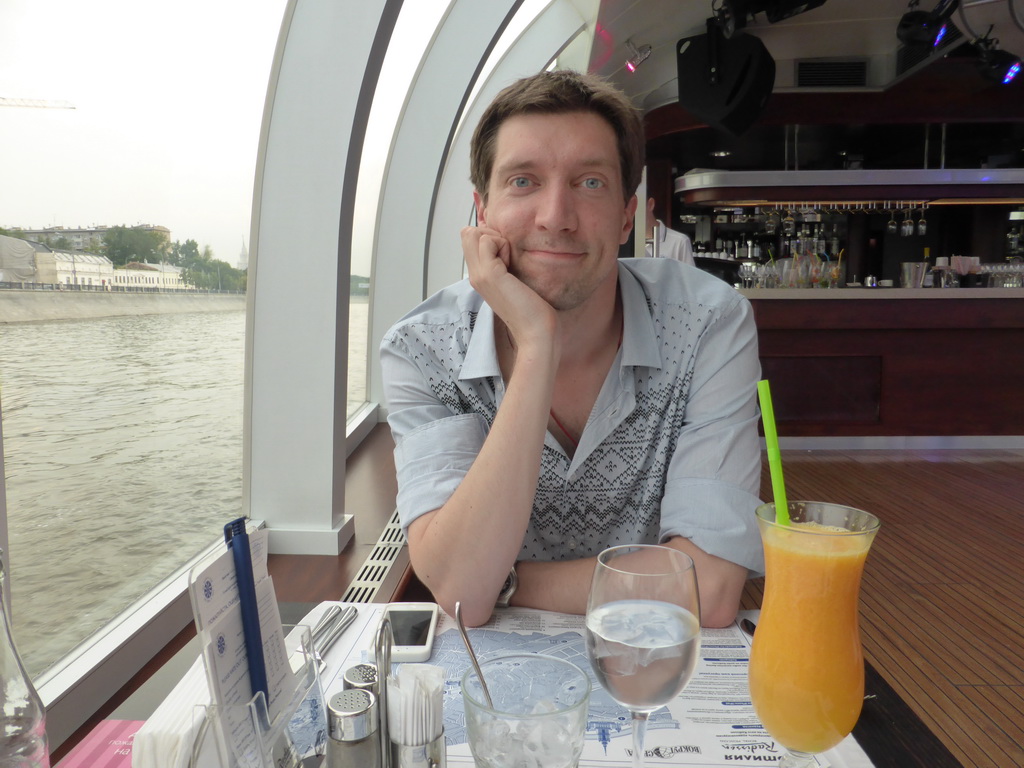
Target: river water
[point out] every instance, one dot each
(122, 443)
(123, 458)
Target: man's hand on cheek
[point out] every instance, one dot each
(488, 256)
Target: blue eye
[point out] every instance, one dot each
(593, 183)
(521, 182)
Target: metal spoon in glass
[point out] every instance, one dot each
(472, 656)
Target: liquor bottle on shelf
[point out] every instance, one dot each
(819, 240)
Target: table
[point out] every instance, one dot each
(888, 731)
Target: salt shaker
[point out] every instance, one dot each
(352, 723)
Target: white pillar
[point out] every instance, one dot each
(296, 359)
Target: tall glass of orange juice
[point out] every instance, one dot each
(806, 665)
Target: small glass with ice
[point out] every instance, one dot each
(539, 715)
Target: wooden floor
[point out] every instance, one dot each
(942, 604)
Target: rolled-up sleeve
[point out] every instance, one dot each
(432, 460)
(714, 476)
(435, 445)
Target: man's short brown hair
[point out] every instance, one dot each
(559, 92)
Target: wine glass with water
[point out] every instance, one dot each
(643, 629)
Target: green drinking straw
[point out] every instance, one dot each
(771, 437)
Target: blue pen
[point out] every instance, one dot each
(238, 542)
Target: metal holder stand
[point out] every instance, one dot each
(382, 657)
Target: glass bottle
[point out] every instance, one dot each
(22, 718)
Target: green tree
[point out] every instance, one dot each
(195, 268)
(180, 253)
(126, 244)
(201, 270)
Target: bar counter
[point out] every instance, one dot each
(893, 362)
(881, 293)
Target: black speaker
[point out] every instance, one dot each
(724, 82)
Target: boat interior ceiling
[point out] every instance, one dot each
(847, 92)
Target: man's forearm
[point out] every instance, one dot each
(565, 586)
(719, 582)
(555, 586)
(464, 550)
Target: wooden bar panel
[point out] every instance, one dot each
(834, 390)
(894, 368)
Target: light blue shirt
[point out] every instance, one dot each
(671, 446)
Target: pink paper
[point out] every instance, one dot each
(108, 745)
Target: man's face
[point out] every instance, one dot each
(555, 194)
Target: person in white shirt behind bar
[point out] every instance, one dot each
(562, 400)
(671, 244)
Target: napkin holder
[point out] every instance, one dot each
(433, 754)
(296, 737)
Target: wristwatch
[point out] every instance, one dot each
(508, 589)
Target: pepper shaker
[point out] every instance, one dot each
(361, 676)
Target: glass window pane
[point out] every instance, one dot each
(130, 133)
(408, 43)
(358, 337)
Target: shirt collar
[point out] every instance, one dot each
(639, 341)
(481, 359)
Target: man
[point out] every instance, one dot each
(563, 400)
(671, 244)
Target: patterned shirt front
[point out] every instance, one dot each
(671, 445)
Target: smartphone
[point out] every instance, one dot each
(413, 626)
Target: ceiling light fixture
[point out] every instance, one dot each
(925, 28)
(637, 55)
(997, 65)
(724, 82)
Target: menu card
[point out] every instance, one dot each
(218, 612)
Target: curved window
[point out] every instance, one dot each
(136, 128)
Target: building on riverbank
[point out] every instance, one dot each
(63, 268)
(161, 277)
(30, 264)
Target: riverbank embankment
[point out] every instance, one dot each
(23, 306)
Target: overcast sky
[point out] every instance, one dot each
(168, 101)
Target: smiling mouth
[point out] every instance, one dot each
(554, 253)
